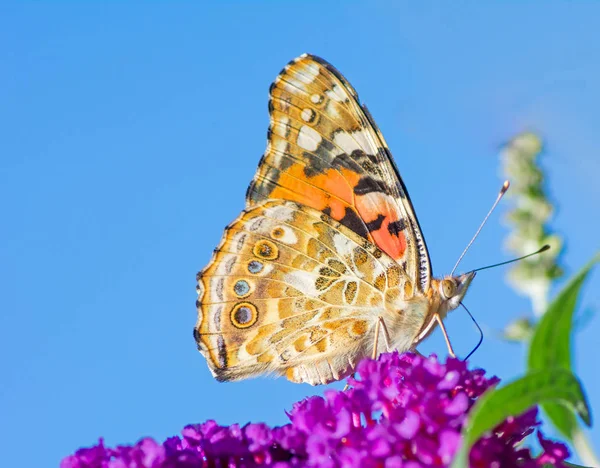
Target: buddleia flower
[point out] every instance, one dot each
(400, 411)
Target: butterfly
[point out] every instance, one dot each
(328, 254)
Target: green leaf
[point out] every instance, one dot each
(550, 345)
(513, 399)
(551, 342)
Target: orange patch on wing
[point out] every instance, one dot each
(331, 189)
(370, 209)
(334, 190)
(393, 245)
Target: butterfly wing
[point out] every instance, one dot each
(293, 292)
(325, 151)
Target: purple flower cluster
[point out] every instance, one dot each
(401, 411)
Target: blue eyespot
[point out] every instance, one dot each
(255, 266)
(241, 288)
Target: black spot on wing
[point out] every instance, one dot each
(376, 159)
(320, 160)
(221, 375)
(396, 227)
(366, 185)
(267, 178)
(352, 221)
(376, 223)
(197, 336)
(344, 161)
(315, 164)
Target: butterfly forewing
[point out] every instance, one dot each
(325, 151)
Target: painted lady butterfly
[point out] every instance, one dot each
(328, 253)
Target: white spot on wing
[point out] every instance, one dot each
(280, 212)
(339, 92)
(378, 269)
(289, 237)
(280, 127)
(331, 110)
(280, 145)
(349, 142)
(336, 93)
(307, 115)
(345, 142)
(363, 138)
(308, 138)
(292, 85)
(303, 281)
(306, 73)
(343, 245)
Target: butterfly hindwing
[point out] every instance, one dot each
(291, 291)
(325, 151)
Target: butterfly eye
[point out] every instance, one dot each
(447, 288)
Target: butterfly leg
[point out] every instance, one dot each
(386, 337)
(441, 324)
(376, 341)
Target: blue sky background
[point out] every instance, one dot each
(129, 133)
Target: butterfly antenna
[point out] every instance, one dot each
(503, 190)
(478, 328)
(543, 249)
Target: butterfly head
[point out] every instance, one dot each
(452, 289)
